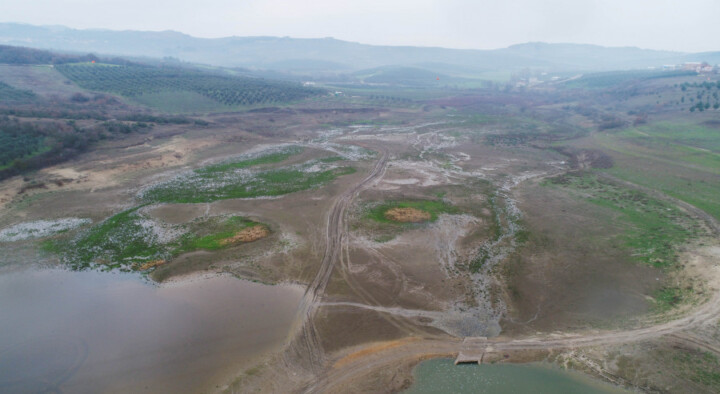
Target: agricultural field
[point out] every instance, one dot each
(175, 90)
(9, 93)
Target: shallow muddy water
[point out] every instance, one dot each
(441, 376)
(91, 332)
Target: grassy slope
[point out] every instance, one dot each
(651, 228)
(681, 160)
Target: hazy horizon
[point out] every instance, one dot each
(671, 25)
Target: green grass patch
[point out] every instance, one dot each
(680, 133)
(270, 158)
(603, 80)
(681, 160)
(522, 236)
(235, 180)
(212, 234)
(128, 239)
(701, 193)
(651, 228)
(691, 145)
(699, 367)
(667, 298)
(52, 246)
(479, 261)
(121, 239)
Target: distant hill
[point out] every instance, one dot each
(331, 55)
(22, 55)
(583, 56)
(406, 76)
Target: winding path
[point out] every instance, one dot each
(308, 342)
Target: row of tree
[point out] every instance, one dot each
(135, 80)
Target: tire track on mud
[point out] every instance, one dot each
(707, 313)
(307, 342)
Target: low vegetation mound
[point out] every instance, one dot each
(249, 234)
(239, 179)
(131, 241)
(409, 211)
(218, 233)
(407, 215)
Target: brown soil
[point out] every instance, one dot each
(249, 234)
(373, 348)
(407, 215)
(571, 274)
(150, 264)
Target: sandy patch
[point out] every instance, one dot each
(150, 264)
(249, 234)
(111, 172)
(9, 190)
(173, 153)
(407, 215)
(408, 181)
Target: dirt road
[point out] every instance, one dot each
(307, 343)
(332, 379)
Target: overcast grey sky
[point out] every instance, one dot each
(683, 25)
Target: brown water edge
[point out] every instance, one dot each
(90, 332)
